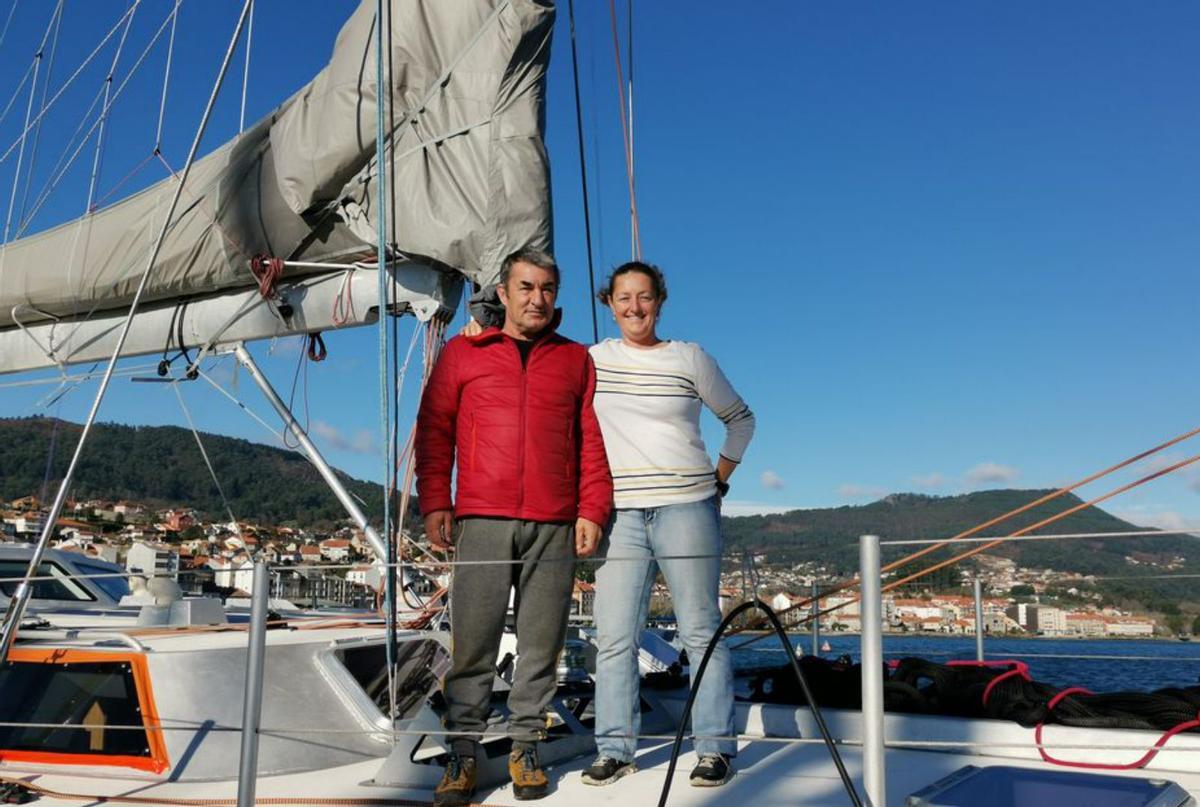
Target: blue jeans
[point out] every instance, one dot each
(653, 536)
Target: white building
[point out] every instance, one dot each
(152, 560)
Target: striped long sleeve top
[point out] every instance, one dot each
(648, 403)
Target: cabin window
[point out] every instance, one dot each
(112, 582)
(420, 664)
(61, 587)
(75, 708)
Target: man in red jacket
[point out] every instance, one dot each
(513, 407)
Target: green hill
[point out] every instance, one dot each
(162, 466)
(829, 537)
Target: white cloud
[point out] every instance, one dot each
(991, 473)
(1155, 518)
(749, 508)
(362, 442)
(771, 480)
(934, 480)
(850, 491)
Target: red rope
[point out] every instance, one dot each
(1106, 766)
(266, 271)
(316, 347)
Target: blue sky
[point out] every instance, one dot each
(937, 247)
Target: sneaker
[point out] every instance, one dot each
(606, 770)
(711, 771)
(528, 778)
(457, 787)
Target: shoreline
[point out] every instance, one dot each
(826, 635)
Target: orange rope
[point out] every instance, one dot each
(637, 234)
(1024, 531)
(981, 527)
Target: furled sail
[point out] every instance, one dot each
(470, 172)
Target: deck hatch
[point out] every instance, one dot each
(83, 707)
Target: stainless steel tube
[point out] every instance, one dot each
(874, 778)
(252, 702)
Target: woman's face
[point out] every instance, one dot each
(635, 307)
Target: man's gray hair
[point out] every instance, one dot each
(531, 255)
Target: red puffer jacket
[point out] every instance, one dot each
(527, 439)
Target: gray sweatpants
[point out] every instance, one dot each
(478, 604)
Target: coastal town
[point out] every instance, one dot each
(337, 567)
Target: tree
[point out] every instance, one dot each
(1175, 623)
(1021, 590)
(1196, 626)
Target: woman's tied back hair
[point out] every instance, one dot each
(657, 280)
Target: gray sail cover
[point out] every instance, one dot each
(470, 174)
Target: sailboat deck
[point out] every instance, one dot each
(768, 772)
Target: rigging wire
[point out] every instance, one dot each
(200, 444)
(53, 183)
(8, 21)
(71, 80)
(246, 68)
(625, 134)
(382, 102)
(16, 92)
(997, 541)
(993, 521)
(104, 115)
(20, 598)
(241, 405)
(587, 218)
(37, 133)
(12, 199)
(162, 103)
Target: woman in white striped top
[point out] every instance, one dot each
(649, 395)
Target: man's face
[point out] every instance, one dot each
(528, 299)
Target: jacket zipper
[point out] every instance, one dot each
(521, 428)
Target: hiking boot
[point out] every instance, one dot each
(711, 771)
(606, 770)
(457, 787)
(528, 778)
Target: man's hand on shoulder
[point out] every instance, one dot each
(587, 537)
(439, 528)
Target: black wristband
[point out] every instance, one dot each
(722, 487)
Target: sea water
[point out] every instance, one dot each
(1101, 665)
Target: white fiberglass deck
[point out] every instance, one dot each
(770, 773)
